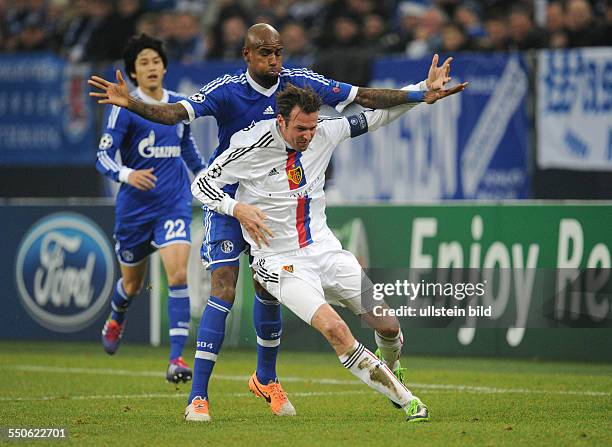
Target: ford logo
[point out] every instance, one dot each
(64, 271)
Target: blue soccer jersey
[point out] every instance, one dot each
(144, 144)
(238, 101)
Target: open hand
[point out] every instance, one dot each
(434, 95)
(116, 94)
(438, 76)
(252, 219)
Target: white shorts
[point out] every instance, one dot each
(320, 273)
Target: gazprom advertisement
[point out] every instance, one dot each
(64, 273)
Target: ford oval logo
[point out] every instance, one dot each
(64, 271)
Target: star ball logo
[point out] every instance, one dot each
(64, 272)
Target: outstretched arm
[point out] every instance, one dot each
(118, 94)
(381, 117)
(382, 98)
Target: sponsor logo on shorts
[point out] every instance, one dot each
(288, 268)
(127, 255)
(227, 246)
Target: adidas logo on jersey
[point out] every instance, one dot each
(269, 111)
(273, 172)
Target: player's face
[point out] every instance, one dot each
(300, 129)
(265, 61)
(149, 69)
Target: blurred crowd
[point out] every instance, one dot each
(317, 30)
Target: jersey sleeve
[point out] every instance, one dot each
(229, 168)
(333, 93)
(117, 124)
(208, 101)
(190, 153)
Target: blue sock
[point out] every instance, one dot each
(178, 316)
(268, 325)
(120, 302)
(210, 339)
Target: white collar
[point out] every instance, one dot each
(258, 88)
(277, 131)
(146, 98)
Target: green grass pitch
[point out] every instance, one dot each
(124, 400)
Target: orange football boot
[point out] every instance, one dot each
(273, 394)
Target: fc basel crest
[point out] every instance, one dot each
(295, 175)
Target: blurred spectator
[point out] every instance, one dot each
(555, 25)
(96, 30)
(454, 39)
(409, 14)
(147, 24)
(272, 12)
(583, 29)
(608, 26)
(103, 45)
(427, 35)
(186, 44)
(467, 16)
(165, 26)
(296, 42)
(344, 58)
(228, 46)
(523, 32)
(497, 35)
(33, 38)
(128, 12)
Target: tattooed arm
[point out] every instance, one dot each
(383, 98)
(160, 113)
(118, 95)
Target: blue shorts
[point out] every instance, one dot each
(223, 242)
(135, 242)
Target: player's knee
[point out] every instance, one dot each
(223, 283)
(337, 332)
(132, 287)
(390, 328)
(178, 277)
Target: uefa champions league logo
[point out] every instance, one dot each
(64, 271)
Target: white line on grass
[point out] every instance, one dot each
(322, 381)
(166, 396)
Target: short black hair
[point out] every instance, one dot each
(134, 46)
(305, 98)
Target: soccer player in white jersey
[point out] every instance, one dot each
(280, 203)
(236, 102)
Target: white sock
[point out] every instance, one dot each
(390, 348)
(375, 374)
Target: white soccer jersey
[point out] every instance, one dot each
(287, 185)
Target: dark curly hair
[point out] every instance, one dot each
(134, 46)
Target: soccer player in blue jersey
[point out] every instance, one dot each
(153, 206)
(237, 102)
